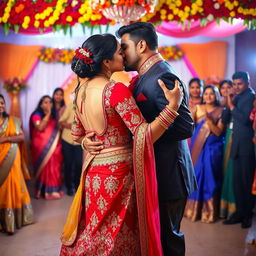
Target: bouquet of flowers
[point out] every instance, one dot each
(15, 84)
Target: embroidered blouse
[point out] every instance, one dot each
(122, 117)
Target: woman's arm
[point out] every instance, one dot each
(13, 139)
(216, 129)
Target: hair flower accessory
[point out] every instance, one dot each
(84, 55)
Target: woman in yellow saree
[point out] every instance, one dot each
(15, 205)
(115, 209)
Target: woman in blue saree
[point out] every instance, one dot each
(207, 154)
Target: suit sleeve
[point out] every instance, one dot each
(242, 113)
(226, 116)
(183, 126)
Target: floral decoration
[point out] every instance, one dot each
(170, 53)
(55, 55)
(63, 14)
(213, 80)
(15, 84)
(102, 4)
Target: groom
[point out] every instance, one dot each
(175, 173)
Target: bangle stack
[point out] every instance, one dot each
(82, 143)
(167, 117)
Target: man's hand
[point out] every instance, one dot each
(93, 147)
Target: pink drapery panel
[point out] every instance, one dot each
(17, 60)
(208, 59)
(212, 29)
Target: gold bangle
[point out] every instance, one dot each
(82, 143)
(173, 111)
(161, 123)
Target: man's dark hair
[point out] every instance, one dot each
(241, 75)
(140, 31)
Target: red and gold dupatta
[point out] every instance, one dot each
(146, 192)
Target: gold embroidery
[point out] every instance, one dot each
(128, 106)
(149, 63)
(113, 157)
(139, 163)
(102, 203)
(111, 185)
(114, 221)
(94, 220)
(87, 200)
(96, 182)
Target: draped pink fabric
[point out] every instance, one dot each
(212, 29)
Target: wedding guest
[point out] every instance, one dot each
(72, 152)
(15, 204)
(242, 148)
(58, 102)
(207, 154)
(196, 86)
(227, 205)
(253, 119)
(46, 150)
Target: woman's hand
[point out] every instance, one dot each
(173, 96)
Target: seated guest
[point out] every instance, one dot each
(207, 153)
(46, 150)
(15, 204)
(242, 148)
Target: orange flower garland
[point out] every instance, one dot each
(55, 55)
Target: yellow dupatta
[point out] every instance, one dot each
(69, 232)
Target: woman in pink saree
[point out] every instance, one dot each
(46, 150)
(115, 209)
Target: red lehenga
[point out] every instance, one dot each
(115, 210)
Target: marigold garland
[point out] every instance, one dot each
(55, 55)
(15, 84)
(63, 14)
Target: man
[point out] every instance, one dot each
(175, 173)
(72, 152)
(242, 150)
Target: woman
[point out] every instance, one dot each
(46, 150)
(206, 152)
(15, 205)
(227, 204)
(195, 93)
(103, 218)
(58, 102)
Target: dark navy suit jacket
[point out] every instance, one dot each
(175, 172)
(242, 126)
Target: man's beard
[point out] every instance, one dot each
(127, 69)
(132, 67)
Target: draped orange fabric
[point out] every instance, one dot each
(17, 60)
(208, 59)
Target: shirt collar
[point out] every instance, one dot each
(148, 63)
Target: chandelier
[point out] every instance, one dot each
(121, 11)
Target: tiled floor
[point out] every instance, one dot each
(42, 238)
